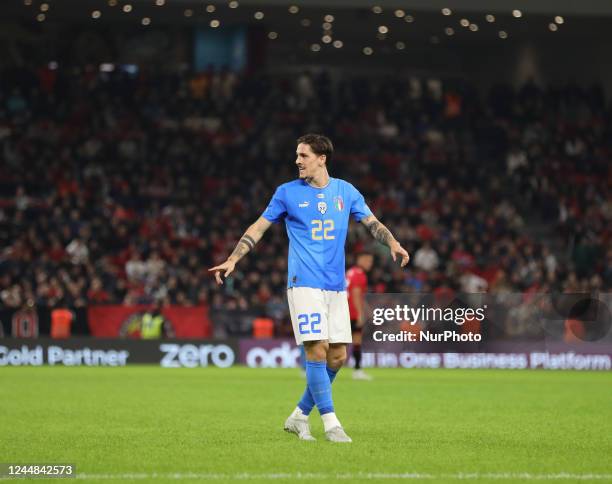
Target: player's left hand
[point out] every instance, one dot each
(397, 250)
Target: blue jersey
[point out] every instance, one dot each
(317, 221)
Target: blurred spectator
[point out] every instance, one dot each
(77, 251)
(426, 258)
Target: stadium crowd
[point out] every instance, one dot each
(124, 189)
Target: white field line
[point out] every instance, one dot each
(245, 476)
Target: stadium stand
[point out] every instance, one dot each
(119, 188)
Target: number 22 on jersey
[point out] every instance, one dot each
(322, 229)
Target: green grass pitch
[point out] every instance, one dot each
(141, 424)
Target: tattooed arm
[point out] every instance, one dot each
(384, 236)
(246, 243)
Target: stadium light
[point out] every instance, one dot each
(409, 19)
(447, 11)
(273, 35)
(96, 14)
(552, 27)
(145, 21)
(127, 8)
(44, 7)
(368, 50)
(258, 15)
(188, 13)
(400, 45)
(315, 47)
(517, 13)
(449, 31)
(503, 34)
(210, 8)
(383, 29)
(293, 9)
(559, 19)
(490, 18)
(160, 3)
(376, 9)
(474, 27)
(464, 22)
(214, 23)
(305, 22)
(329, 18)
(338, 44)
(400, 13)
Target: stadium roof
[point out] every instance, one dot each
(296, 26)
(582, 7)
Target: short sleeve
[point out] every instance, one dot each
(277, 208)
(359, 208)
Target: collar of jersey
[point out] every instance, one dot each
(319, 188)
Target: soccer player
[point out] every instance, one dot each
(357, 286)
(316, 210)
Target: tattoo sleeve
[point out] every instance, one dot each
(380, 232)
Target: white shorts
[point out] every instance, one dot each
(317, 314)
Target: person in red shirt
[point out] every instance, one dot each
(357, 286)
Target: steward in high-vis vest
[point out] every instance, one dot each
(154, 326)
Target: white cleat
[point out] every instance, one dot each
(337, 434)
(361, 375)
(299, 427)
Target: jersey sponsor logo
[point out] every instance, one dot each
(322, 207)
(303, 204)
(339, 203)
(320, 195)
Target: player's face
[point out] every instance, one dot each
(307, 161)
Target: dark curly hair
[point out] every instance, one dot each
(319, 144)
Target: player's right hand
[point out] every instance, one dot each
(228, 266)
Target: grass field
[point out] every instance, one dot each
(150, 424)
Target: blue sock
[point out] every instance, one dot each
(307, 402)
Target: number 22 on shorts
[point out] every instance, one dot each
(309, 324)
